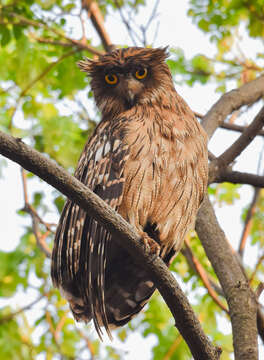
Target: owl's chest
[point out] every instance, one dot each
(152, 154)
(150, 172)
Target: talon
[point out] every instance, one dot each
(150, 244)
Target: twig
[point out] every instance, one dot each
(259, 262)
(77, 43)
(143, 28)
(172, 348)
(248, 222)
(51, 41)
(60, 325)
(202, 273)
(9, 317)
(124, 233)
(29, 207)
(88, 343)
(37, 78)
(45, 71)
(133, 35)
(40, 238)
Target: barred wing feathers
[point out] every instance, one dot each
(79, 254)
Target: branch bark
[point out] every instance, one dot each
(219, 165)
(98, 23)
(242, 142)
(236, 177)
(124, 233)
(233, 100)
(238, 128)
(241, 300)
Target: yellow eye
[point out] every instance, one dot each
(111, 79)
(141, 73)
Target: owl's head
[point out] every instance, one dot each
(128, 77)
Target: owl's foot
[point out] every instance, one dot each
(150, 244)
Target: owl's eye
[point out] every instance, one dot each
(141, 73)
(111, 79)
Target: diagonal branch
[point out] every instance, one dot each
(40, 238)
(123, 232)
(233, 100)
(243, 141)
(248, 222)
(39, 24)
(219, 165)
(37, 78)
(98, 23)
(197, 266)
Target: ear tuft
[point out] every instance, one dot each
(86, 65)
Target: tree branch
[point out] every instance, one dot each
(37, 78)
(229, 126)
(9, 317)
(241, 300)
(98, 23)
(233, 100)
(79, 44)
(242, 142)
(123, 233)
(238, 128)
(199, 269)
(236, 177)
(40, 238)
(248, 222)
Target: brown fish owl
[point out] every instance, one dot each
(147, 158)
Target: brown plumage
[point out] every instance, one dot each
(147, 158)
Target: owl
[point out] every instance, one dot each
(147, 159)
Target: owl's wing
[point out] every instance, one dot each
(78, 258)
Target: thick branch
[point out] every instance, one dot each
(241, 301)
(123, 232)
(233, 100)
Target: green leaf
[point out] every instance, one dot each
(5, 35)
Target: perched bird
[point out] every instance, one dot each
(147, 159)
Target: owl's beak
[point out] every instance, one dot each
(130, 97)
(131, 90)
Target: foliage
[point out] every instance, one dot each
(41, 100)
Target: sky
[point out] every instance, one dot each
(175, 30)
